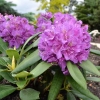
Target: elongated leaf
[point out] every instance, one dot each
(5, 90)
(76, 74)
(88, 66)
(97, 52)
(40, 68)
(6, 59)
(22, 50)
(83, 91)
(70, 96)
(56, 85)
(2, 62)
(12, 52)
(35, 44)
(7, 76)
(29, 94)
(31, 59)
(78, 94)
(29, 40)
(3, 46)
(93, 79)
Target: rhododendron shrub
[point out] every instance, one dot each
(51, 57)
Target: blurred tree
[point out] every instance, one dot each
(6, 7)
(53, 5)
(72, 4)
(30, 16)
(89, 12)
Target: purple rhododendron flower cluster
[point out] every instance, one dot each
(64, 39)
(15, 30)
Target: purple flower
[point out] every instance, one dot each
(15, 30)
(43, 22)
(66, 39)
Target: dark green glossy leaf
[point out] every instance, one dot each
(7, 76)
(29, 94)
(56, 85)
(78, 94)
(1, 78)
(76, 74)
(5, 90)
(88, 66)
(70, 96)
(3, 46)
(83, 91)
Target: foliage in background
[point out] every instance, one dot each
(29, 16)
(6, 7)
(72, 4)
(53, 5)
(89, 12)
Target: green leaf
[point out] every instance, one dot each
(12, 52)
(21, 83)
(6, 59)
(35, 44)
(56, 85)
(78, 94)
(5, 90)
(2, 62)
(29, 40)
(80, 89)
(22, 50)
(96, 79)
(28, 61)
(40, 68)
(29, 94)
(3, 46)
(1, 78)
(70, 96)
(88, 66)
(97, 52)
(98, 67)
(23, 74)
(76, 74)
(7, 76)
